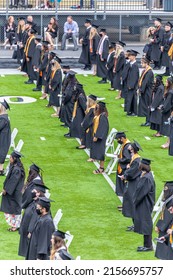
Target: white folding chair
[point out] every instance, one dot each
(57, 218)
(68, 238)
(113, 160)
(78, 258)
(110, 140)
(157, 207)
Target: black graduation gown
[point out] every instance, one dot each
(37, 56)
(145, 97)
(12, 202)
(55, 83)
(23, 231)
(166, 43)
(126, 158)
(156, 116)
(144, 199)
(87, 128)
(43, 66)
(98, 148)
(132, 83)
(39, 243)
(26, 196)
(85, 54)
(68, 104)
(124, 89)
(92, 53)
(166, 112)
(76, 129)
(171, 137)
(64, 85)
(155, 46)
(132, 175)
(110, 66)
(162, 249)
(5, 136)
(101, 65)
(29, 64)
(19, 39)
(117, 75)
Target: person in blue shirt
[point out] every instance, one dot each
(70, 31)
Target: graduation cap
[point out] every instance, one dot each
(120, 134)
(79, 86)
(71, 73)
(170, 79)
(133, 52)
(95, 26)
(102, 104)
(38, 181)
(169, 24)
(146, 161)
(103, 30)
(20, 18)
(40, 187)
(60, 234)
(5, 104)
(88, 20)
(38, 37)
(121, 43)
(32, 31)
(66, 67)
(35, 167)
(136, 146)
(159, 77)
(16, 154)
(64, 255)
(145, 60)
(158, 19)
(112, 45)
(58, 59)
(44, 201)
(93, 97)
(45, 43)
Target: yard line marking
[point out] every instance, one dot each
(147, 138)
(43, 138)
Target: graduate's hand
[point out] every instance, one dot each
(95, 139)
(101, 59)
(128, 166)
(157, 229)
(29, 235)
(80, 41)
(151, 40)
(50, 87)
(4, 192)
(162, 238)
(169, 231)
(161, 48)
(27, 59)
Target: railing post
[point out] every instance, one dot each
(7, 7)
(41, 25)
(150, 9)
(95, 10)
(104, 11)
(120, 27)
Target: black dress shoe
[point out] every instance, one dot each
(147, 124)
(67, 135)
(29, 82)
(130, 228)
(36, 89)
(102, 82)
(144, 249)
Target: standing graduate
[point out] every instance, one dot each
(132, 84)
(102, 55)
(66, 69)
(88, 122)
(124, 159)
(59, 249)
(131, 177)
(47, 76)
(170, 151)
(39, 243)
(110, 64)
(38, 191)
(5, 134)
(155, 112)
(144, 200)
(36, 61)
(99, 134)
(20, 31)
(11, 203)
(146, 81)
(119, 62)
(78, 113)
(155, 55)
(85, 54)
(94, 39)
(124, 89)
(165, 46)
(55, 84)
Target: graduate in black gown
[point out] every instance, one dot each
(59, 249)
(146, 81)
(94, 39)
(38, 191)
(144, 200)
(55, 84)
(110, 64)
(119, 62)
(39, 242)
(47, 76)
(66, 69)
(11, 203)
(87, 123)
(124, 89)
(99, 133)
(155, 112)
(132, 84)
(124, 159)
(5, 134)
(155, 54)
(36, 61)
(165, 46)
(170, 151)
(78, 113)
(85, 54)
(19, 33)
(131, 177)
(102, 55)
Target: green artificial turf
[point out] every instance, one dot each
(88, 203)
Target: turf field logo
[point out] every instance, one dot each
(18, 99)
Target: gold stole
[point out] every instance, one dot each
(170, 237)
(95, 124)
(143, 75)
(119, 169)
(170, 52)
(87, 111)
(28, 42)
(134, 157)
(74, 109)
(53, 74)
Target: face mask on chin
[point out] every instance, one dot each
(64, 72)
(120, 142)
(38, 211)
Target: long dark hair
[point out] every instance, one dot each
(18, 162)
(157, 83)
(168, 87)
(100, 109)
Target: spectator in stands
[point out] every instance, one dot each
(5, 134)
(51, 31)
(70, 31)
(59, 249)
(33, 24)
(10, 27)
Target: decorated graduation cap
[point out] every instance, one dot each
(146, 161)
(103, 30)
(38, 37)
(5, 104)
(120, 134)
(16, 154)
(57, 58)
(121, 43)
(93, 97)
(133, 52)
(158, 19)
(136, 146)
(169, 24)
(44, 201)
(88, 20)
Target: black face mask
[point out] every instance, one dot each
(33, 194)
(53, 63)
(120, 141)
(64, 72)
(38, 211)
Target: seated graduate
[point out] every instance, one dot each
(59, 250)
(87, 123)
(99, 133)
(144, 200)
(29, 218)
(11, 203)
